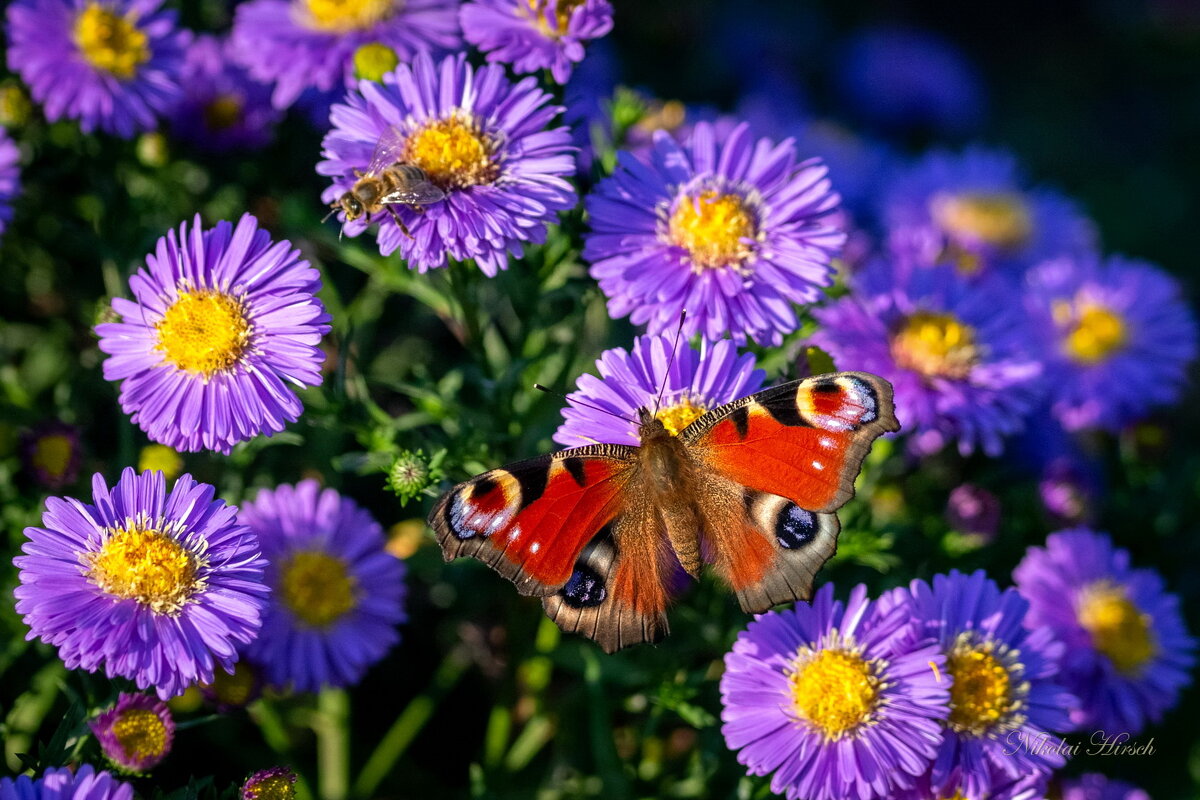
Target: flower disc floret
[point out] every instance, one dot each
(836, 700)
(485, 141)
(302, 45)
(223, 321)
(1128, 653)
(1116, 335)
(935, 345)
(338, 595)
(113, 65)
(605, 409)
(136, 734)
(155, 586)
(735, 230)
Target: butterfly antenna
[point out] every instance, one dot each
(670, 361)
(585, 404)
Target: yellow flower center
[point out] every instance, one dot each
(982, 694)
(147, 565)
(223, 112)
(562, 16)
(52, 455)
(716, 229)
(1000, 219)
(373, 61)
(140, 733)
(1119, 629)
(160, 458)
(234, 689)
(1094, 332)
(274, 787)
(317, 588)
(664, 116)
(935, 345)
(677, 417)
(835, 690)
(111, 43)
(204, 332)
(341, 16)
(453, 153)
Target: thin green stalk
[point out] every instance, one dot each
(332, 726)
(410, 722)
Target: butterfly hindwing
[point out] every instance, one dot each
(618, 592)
(803, 440)
(531, 520)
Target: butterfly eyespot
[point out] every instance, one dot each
(484, 507)
(795, 527)
(584, 589)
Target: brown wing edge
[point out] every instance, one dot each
(481, 547)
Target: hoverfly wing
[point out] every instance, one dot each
(416, 194)
(388, 151)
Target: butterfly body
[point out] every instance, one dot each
(602, 533)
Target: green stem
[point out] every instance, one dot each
(608, 763)
(332, 726)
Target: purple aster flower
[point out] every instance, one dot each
(535, 34)
(223, 108)
(110, 64)
(310, 44)
(337, 594)
(223, 320)
(835, 699)
(976, 210)
(230, 690)
(1118, 338)
(1127, 651)
(152, 585)
(733, 230)
(276, 783)
(1029, 787)
(1094, 786)
(1069, 488)
(697, 381)
(51, 452)
(478, 137)
(1001, 678)
(62, 783)
(10, 177)
(135, 734)
(903, 79)
(957, 351)
(973, 510)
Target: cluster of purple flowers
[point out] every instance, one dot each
(166, 587)
(955, 688)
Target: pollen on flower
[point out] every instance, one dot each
(317, 587)
(1000, 219)
(340, 16)
(678, 416)
(141, 734)
(159, 457)
(204, 332)
(52, 455)
(717, 230)
(935, 345)
(562, 10)
(1118, 628)
(453, 152)
(983, 693)
(145, 564)
(834, 690)
(110, 42)
(1094, 332)
(276, 783)
(223, 112)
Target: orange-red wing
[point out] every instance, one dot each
(804, 440)
(530, 521)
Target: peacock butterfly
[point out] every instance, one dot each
(597, 532)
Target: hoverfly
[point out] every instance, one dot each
(388, 182)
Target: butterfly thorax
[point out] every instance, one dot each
(668, 481)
